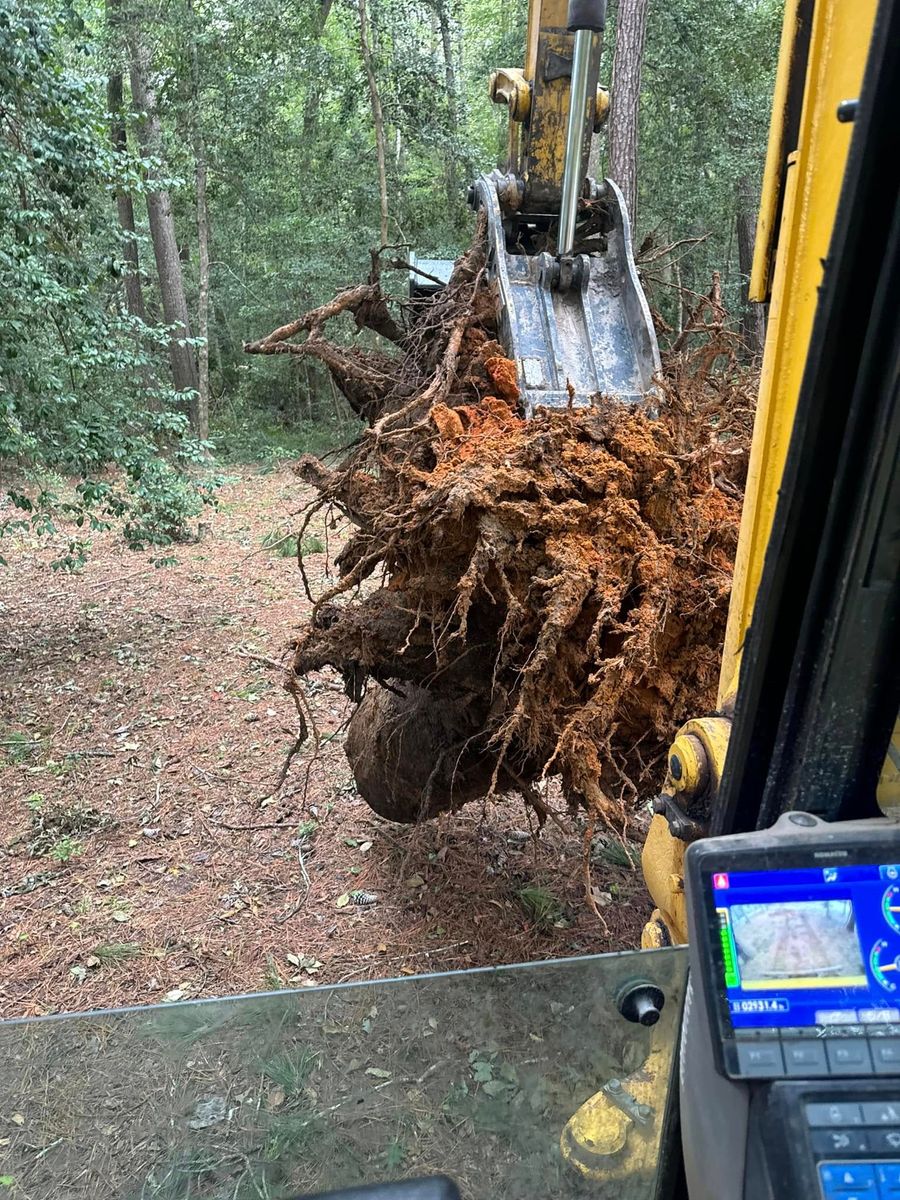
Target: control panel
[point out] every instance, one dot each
(810, 961)
(796, 934)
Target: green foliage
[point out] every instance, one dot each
(541, 906)
(707, 93)
(292, 1069)
(81, 381)
(92, 433)
(65, 849)
(311, 545)
(284, 545)
(113, 953)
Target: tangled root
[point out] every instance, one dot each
(553, 592)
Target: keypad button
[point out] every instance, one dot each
(848, 1057)
(884, 1141)
(886, 1056)
(820, 1116)
(888, 1175)
(886, 1112)
(805, 1058)
(828, 1142)
(760, 1060)
(838, 1178)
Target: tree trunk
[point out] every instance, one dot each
(443, 17)
(322, 18)
(162, 230)
(134, 295)
(202, 422)
(753, 316)
(625, 94)
(377, 118)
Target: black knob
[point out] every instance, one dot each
(640, 1001)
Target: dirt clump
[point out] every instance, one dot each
(520, 598)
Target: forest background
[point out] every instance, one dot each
(182, 176)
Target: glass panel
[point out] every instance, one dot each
(475, 1074)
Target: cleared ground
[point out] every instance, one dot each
(145, 852)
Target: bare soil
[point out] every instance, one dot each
(146, 852)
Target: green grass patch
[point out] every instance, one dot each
(113, 953)
(283, 545)
(541, 906)
(291, 1070)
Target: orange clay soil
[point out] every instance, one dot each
(520, 599)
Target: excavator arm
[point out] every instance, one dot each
(573, 316)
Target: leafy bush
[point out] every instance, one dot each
(82, 382)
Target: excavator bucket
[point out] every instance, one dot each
(577, 327)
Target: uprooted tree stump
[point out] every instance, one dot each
(519, 599)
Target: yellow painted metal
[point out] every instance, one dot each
(539, 117)
(813, 172)
(601, 108)
(599, 1141)
(662, 862)
(800, 196)
(696, 763)
(888, 793)
(776, 154)
(510, 87)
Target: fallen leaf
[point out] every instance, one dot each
(275, 1098)
(175, 994)
(17, 1119)
(378, 1072)
(415, 881)
(495, 1087)
(343, 900)
(293, 960)
(365, 848)
(407, 971)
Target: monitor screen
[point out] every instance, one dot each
(809, 946)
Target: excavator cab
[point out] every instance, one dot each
(762, 1060)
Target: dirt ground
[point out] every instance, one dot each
(145, 855)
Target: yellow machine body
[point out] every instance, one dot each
(823, 53)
